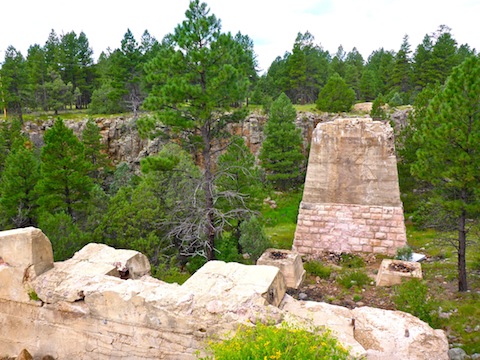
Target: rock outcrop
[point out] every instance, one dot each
(101, 304)
(124, 144)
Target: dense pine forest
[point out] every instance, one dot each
(188, 204)
(62, 73)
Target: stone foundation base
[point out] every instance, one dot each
(349, 228)
(389, 277)
(289, 263)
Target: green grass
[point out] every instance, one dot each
(281, 236)
(441, 274)
(286, 211)
(316, 268)
(464, 320)
(281, 222)
(353, 278)
(306, 108)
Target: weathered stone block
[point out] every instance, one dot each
(26, 247)
(289, 263)
(392, 272)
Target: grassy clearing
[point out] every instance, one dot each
(281, 236)
(460, 312)
(307, 108)
(286, 211)
(281, 222)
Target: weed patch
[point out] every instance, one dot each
(351, 261)
(411, 297)
(272, 342)
(316, 268)
(350, 278)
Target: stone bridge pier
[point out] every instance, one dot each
(351, 201)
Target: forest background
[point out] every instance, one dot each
(202, 196)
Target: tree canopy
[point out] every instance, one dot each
(199, 79)
(449, 153)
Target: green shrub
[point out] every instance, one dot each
(395, 100)
(357, 298)
(227, 249)
(378, 111)
(351, 278)
(404, 253)
(169, 272)
(271, 342)
(336, 96)
(411, 296)
(351, 261)
(253, 239)
(33, 295)
(194, 263)
(318, 269)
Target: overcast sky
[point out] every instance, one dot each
(272, 24)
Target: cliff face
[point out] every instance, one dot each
(120, 134)
(124, 144)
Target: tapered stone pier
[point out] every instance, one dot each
(351, 201)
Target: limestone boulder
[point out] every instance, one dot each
(24, 254)
(102, 304)
(386, 334)
(12, 285)
(239, 281)
(94, 268)
(338, 319)
(26, 247)
(372, 333)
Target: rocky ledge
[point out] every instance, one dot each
(102, 304)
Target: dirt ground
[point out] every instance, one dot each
(330, 291)
(314, 288)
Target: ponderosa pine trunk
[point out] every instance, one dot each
(207, 188)
(462, 245)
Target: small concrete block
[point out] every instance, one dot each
(289, 263)
(393, 272)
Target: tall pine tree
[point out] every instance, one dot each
(281, 154)
(64, 184)
(195, 81)
(19, 178)
(449, 154)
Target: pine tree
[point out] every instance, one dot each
(335, 96)
(59, 94)
(196, 79)
(238, 175)
(402, 70)
(443, 58)
(18, 198)
(37, 74)
(422, 63)
(14, 88)
(238, 183)
(381, 62)
(449, 154)
(64, 184)
(281, 154)
(94, 150)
